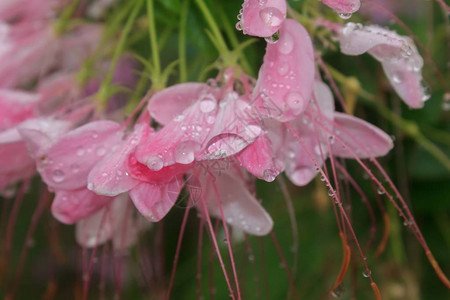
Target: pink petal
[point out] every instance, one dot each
(361, 137)
(167, 104)
(262, 18)
(16, 106)
(40, 134)
(240, 207)
(343, 6)
(285, 80)
(155, 201)
(112, 175)
(181, 139)
(323, 102)
(398, 55)
(300, 167)
(114, 221)
(258, 159)
(68, 162)
(235, 127)
(70, 206)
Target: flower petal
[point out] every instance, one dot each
(240, 207)
(285, 80)
(262, 18)
(16, 106)
(68, 162)
(155, 201)
(343, 6)
(398, 55)
(112, 175)
(364, 139)
(167, 104)
(71, 206)
(40, 134)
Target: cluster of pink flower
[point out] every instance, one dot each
(208, 137)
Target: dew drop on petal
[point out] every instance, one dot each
(345, 16)
(283, 69)
(80, 151)
(286, 44)
(271, 16)
(269, 175)
(155, 163)
(295, 102)
(184, 152)
(208, 104)
(101, 151)
(273, 38)
(58, 176)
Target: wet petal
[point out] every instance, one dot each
(155, 201)
(68, 162)
(16, 106)
(398, 55)
(112, 175)
(71, 206)
(235, 127)
(259, 159)
(40, 134)
(169, 103)
(363, 138)
(285, 80)
(240, 208)
(181, 140)
(262, 17)
(343, 6)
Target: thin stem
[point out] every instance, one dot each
(153, 39)
(222, 46)
(182, 41)
(103, 91)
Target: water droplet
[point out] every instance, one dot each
(345, 16)
(101, 151)
(283, 69)
(380, 191)
(239, 26)
(58, 176)
(155, 163)
(270, 175)
(366, 273)
(225, 241)
(208, 104)
(295, 102)
(179, 118)
(210, 119)
(80, 151)
(426, 92)
(338, 292)
(396, 78)
(94, 134)
(286, 44)
(75, 168)
(184, 152)
(251, 257)
(225, 144)
(271, 16)
(273, 38)
(330, 193)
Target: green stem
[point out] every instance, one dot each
(182, 41)
(103, 91)
(65, 16)
(153, 41)
(222, 46)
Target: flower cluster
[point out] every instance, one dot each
(112, 174)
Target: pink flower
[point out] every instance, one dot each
(261, 17)
(398, 55)
(64, 165)
(285, 80)
(223, 187)
(323, 132)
